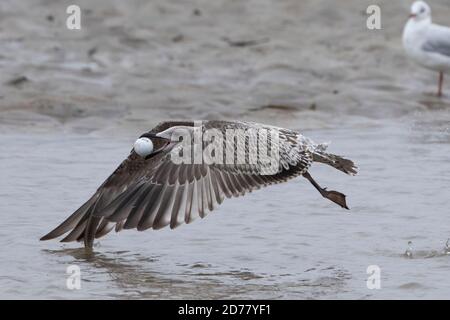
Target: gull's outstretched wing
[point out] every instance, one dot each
(156, 192)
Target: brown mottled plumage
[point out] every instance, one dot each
(154, 192)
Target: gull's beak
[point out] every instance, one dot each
(149, 135)
(154, 135)
(412, 15)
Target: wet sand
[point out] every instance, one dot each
(72, 103)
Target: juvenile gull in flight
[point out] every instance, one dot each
(426, 43)
(150, 190)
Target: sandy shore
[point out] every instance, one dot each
(314, 64)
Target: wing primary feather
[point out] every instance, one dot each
(90, 230)
(126, 206)
(76, 232)
(237, 183)
(229, 184)
(138, 210)
(200, 197)
(161, 171)
(72, 220)
(150, 211)
(244, 185)
(182, 174)
(221, 180)
(174, 174)
(189, 202)
(163, 215)
(207, 188)
(197, 172)
(180, 198)
(215, 185)
(122, 198)
(104, 228)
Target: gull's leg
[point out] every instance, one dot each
(334, 196)
(441, 81)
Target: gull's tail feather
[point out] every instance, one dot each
(338, 162)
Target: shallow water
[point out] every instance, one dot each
(280, 242)
(89, 94)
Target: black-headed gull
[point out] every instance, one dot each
(426, 43)
(150, 190)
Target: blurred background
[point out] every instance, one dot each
(135, 63)
(72, 103)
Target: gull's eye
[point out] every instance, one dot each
(422, 10)
(143, 147)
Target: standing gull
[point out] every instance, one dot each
(426, 43)
(151, 190)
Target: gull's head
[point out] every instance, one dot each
(143, 147)
(420, 10)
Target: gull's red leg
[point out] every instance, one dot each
(441, 81)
